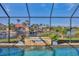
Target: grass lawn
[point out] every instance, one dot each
(71, 39)
(6, 40)
(14, 40)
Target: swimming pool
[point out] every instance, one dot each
(39, 51)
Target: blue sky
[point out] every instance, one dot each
(41, 10)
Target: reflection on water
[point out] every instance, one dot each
(47, 51)
(11, 51)
(38, 51)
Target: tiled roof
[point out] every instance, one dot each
(19, 25)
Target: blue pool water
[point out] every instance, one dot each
(11, 51)
(39, 51)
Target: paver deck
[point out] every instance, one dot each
(29, 41)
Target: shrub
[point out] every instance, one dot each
(54, 36)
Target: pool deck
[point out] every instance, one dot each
(46, 41)
(31, 41)
(59, 45)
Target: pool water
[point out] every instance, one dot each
(39, 51)
(11, 51)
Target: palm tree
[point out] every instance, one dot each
(12, 26)
(35, 27)
(26, 23)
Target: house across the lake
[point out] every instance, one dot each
(23, 28)
(13, 33)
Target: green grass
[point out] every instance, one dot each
(14, 40)
(70, 39)
(6, 40)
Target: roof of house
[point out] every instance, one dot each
(19, 25)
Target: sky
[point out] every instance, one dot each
(41, 9)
